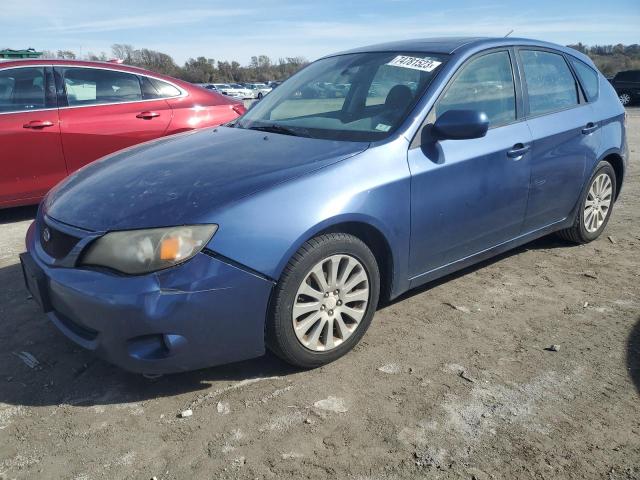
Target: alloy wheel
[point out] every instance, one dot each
(598, 202)
(625, 99)
(330, 302)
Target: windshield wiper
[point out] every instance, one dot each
(296, 132)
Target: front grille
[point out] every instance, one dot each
(57, 244)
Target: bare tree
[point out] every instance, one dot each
(122, 51)
(66, 55)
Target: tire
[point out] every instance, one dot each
(260, 95)
(625, 99)
(332, 308)
(586, 228)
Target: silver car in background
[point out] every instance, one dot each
(258, 90)
(233, 90)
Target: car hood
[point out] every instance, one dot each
(182, 179)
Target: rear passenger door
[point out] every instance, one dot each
(107, 110)
(565, 136)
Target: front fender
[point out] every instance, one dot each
(264, 230)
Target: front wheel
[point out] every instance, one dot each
(260, 95)
(596, 205)
(324, 302)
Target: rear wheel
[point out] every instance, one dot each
(260, 95)
(595, 208)
(324, 302)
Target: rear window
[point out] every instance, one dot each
(588, 77)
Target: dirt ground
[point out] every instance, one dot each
(452, 381)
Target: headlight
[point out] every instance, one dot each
(144, 251)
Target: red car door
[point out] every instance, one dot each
(106, 110)
(31, 158)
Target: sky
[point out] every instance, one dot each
(236, 30)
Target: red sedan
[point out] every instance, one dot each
(58, 115)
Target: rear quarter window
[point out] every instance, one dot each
(153, 88)
(166, 90)
(588, 78)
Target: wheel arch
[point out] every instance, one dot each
(379, 246)
(614, 158)
(370, 233)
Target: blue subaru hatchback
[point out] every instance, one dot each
(366, 174)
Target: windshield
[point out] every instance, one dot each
(354, 97)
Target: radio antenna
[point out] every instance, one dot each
(510, 32)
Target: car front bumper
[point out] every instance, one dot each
(202, 313)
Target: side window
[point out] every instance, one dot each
(588, 77)
(149, 92)
(550, 83)
(485, 84)
(154, 88)
(22, 89)
(92, 86)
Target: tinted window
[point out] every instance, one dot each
(165, 89)
(149, 92)
(588, 77)
(628, 76)
(485, 84)
(152, 88)
(90, 86)
(22, 89)
(550, 83)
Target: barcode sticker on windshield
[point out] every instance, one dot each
(415, 63)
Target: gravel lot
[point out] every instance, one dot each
(452, 381)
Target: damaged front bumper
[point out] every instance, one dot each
(202, 313)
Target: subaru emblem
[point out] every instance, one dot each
(46, 234)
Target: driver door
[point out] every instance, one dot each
(470, 195)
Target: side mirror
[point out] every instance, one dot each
(460, 125)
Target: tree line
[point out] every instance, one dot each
(196, 70)
(610, 59)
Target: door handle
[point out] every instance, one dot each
(518, 150)
(147, 115)
(37, 124)
(589, 128)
